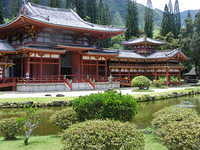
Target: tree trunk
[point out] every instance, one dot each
(26, 141)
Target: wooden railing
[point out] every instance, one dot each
(7, 82)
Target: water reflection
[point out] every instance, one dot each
(142, 120)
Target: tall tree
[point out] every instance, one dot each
(104, 18)
(54, 3)
(15, 6)
(44, 2)
(132, 20)
(170, 7)
(166, 24)
(91, 11)
(189, 25)
(148, 28)
(195, 45)
(69, 3)
(1, 13)
(80, 8)
(177, 19)
(36, 1)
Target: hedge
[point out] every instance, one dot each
(103, 135)
(108, 105)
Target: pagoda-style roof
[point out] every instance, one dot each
(102, 53)
(5, 47)
(44, 49)
(192, 72)
(156, 55)
(143, 40)
(59, 18)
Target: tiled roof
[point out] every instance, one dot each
(192, 72)
(157, 54)
(142, 40)
(5, 46)
(164, 54)
(60, 16)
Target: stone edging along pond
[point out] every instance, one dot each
(168, 95)
(142, 98)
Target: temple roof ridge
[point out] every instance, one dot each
(142, 40)
(61, 18)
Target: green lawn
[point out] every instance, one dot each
(36, 143)
(53, 143)
(153, 144)
(35, 100)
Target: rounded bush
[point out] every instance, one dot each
(103, 135)
(9, 128)
(157, 83)
(64, 118)
(173, 114)
(141, 82)
(182, 135)
(108, 105)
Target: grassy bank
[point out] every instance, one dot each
(151, 96)
(36, 143)
(35, 100)
(143, 95)
(53, 143)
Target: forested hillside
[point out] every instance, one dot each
(118, 9)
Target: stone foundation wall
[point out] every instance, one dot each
(48, 87)
(45, 87)
(107, 85)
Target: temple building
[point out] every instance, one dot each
(54, 49)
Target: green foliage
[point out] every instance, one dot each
(65, 118)
(182, 135)
(1, 13)
(29, 122)
(132, 20)
(9, 128)
(103, 135)
(157, 83)
(108, 105)
(141, 82)
(148, 27)
(174, 79)
(177, 19)
(173, 114)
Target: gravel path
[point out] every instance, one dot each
(73, 93)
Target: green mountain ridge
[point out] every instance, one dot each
(118, 10)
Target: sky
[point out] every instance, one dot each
(184, 4)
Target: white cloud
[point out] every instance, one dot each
(184, 4)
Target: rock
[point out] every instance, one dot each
(60, 95)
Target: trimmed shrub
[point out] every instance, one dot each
(108, 105)
(141, 82)
(181, 135)
(157, 83)
(103, 135)
(173, 114)
(9, 128)
(64, 118)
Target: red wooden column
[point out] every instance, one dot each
(106, 68)
(59, 66)
(41, 66)
(167, 75)
(22, 66)
(27, 67)
(76, 67)
(97, 68)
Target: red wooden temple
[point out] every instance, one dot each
(44, 46)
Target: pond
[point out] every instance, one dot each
(142, 119)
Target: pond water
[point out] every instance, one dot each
(142, 119)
